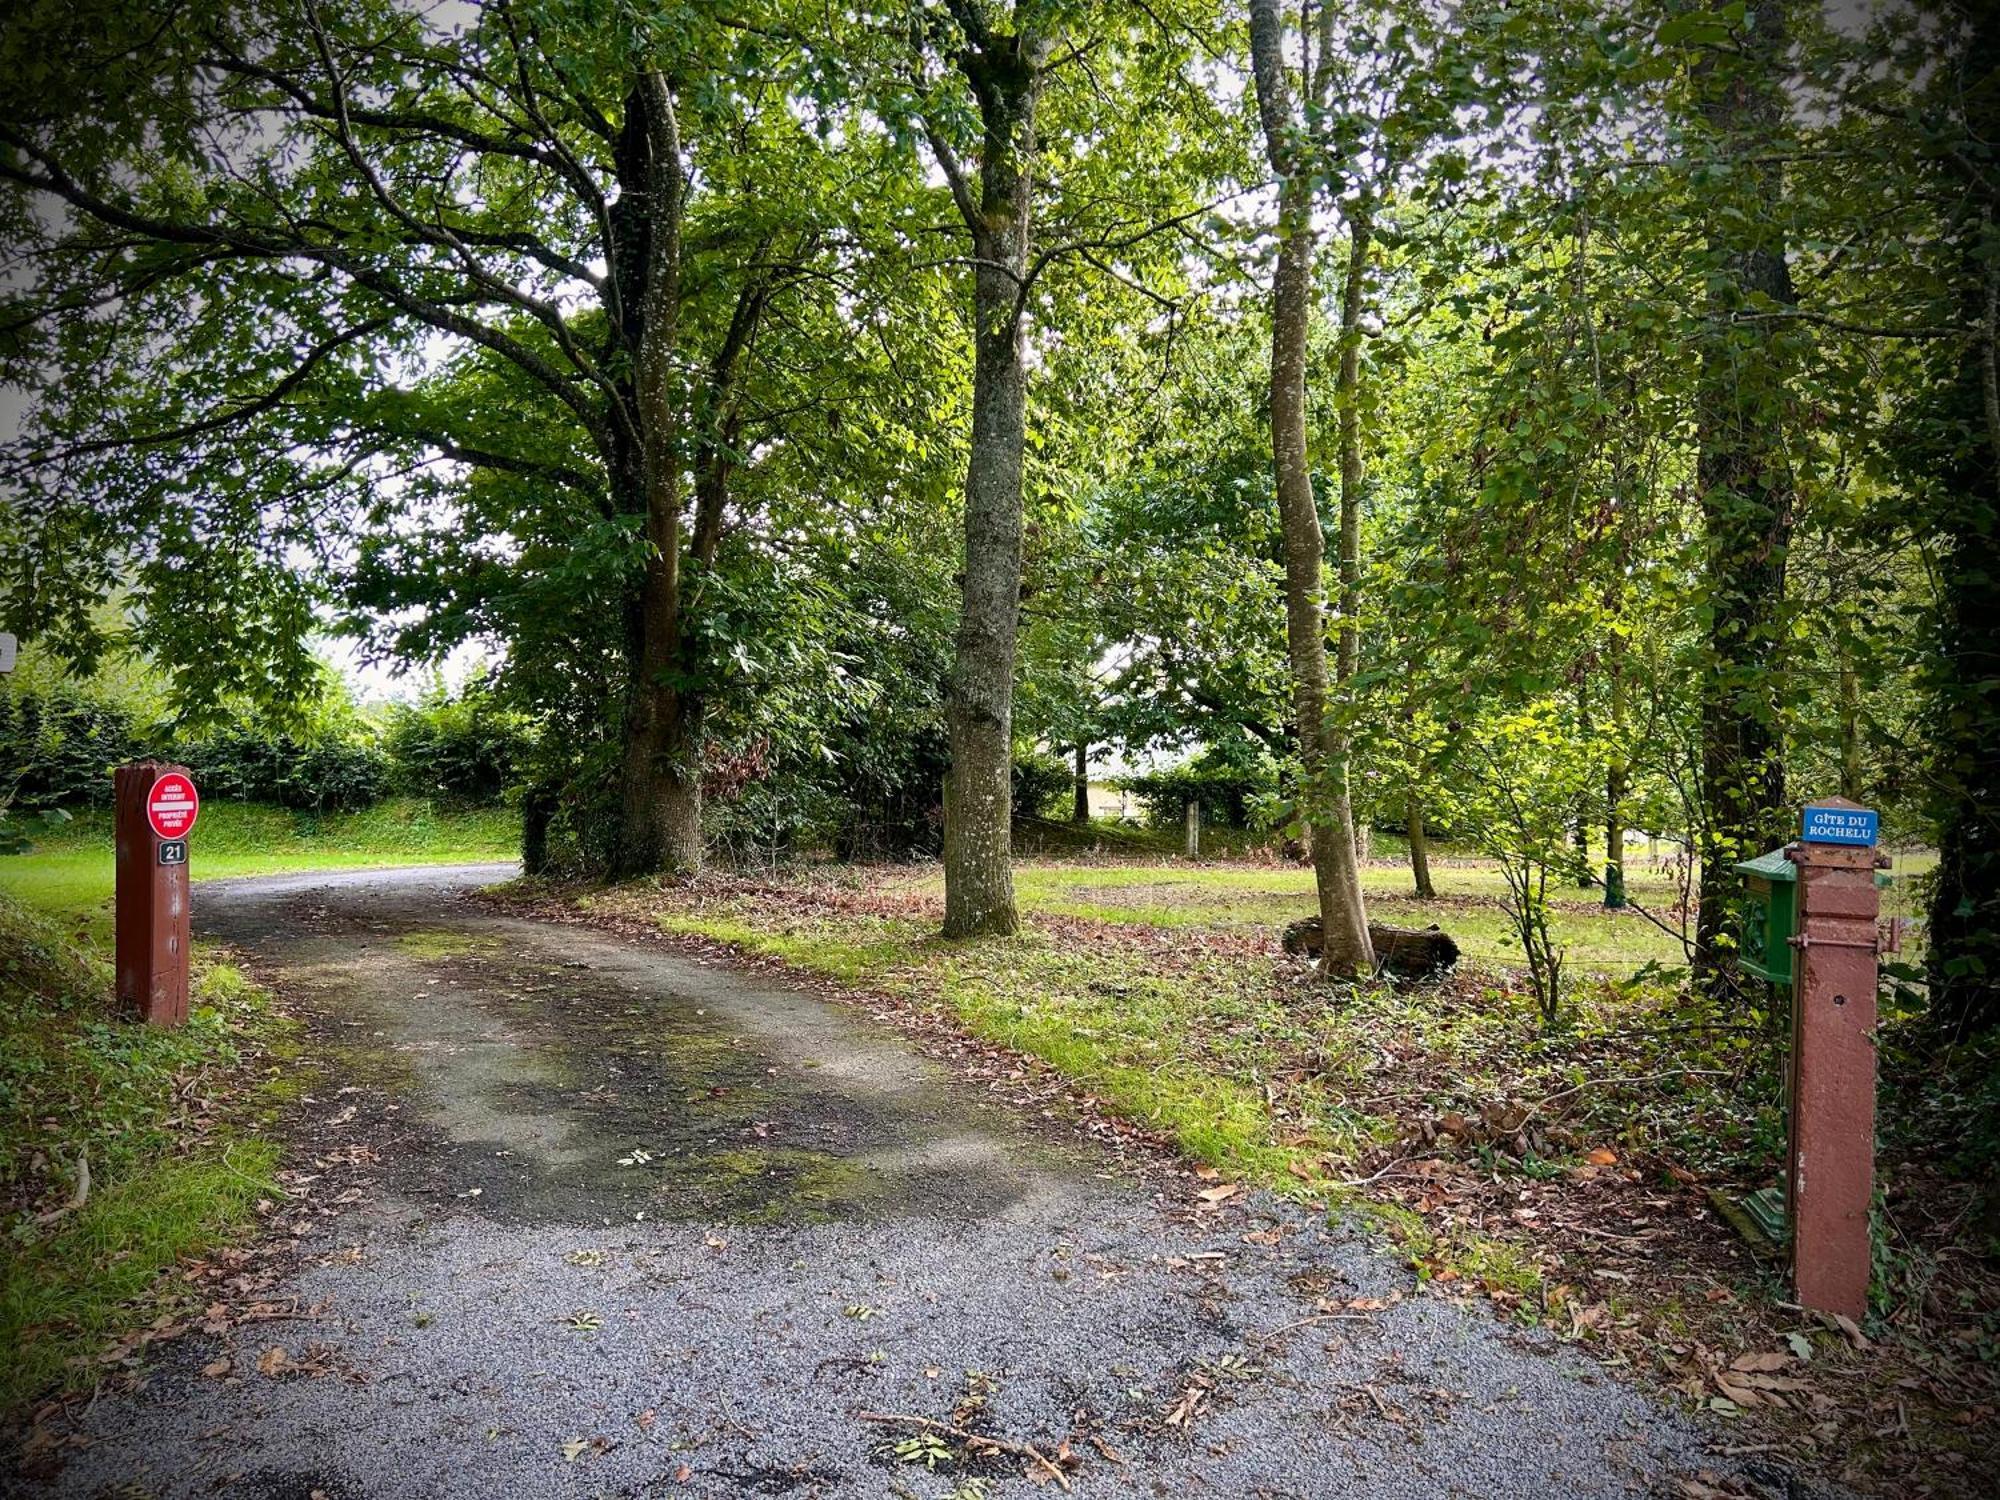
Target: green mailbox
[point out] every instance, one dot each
(1770, 916)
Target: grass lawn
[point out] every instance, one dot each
(127, 1152)
(1252, 897)
(1249, 897)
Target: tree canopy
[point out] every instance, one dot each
(1527, 420)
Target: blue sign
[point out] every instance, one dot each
(1841, 825)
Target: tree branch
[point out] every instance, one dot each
(1863, 330)
(257, 406)
(418, 122)
(441, 236)
(954, 174)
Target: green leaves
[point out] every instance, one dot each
(1702, 28)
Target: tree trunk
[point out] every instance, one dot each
(1617, 774)
(1006, 77)
(660, 778)
(538, 809)
(661, 802)
(1614, 833)
(1407, 952)
(1420, 849)
(1080, 810)
(1347, 396)
(1347, 399)
(1850, 726)
(1963, 961)
(1322, 755)
(1745, 483)
(978, 835)
(1586, 821)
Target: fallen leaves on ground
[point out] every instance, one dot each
(576, 1448)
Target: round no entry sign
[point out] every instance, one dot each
(172, 806)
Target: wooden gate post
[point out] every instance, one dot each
(1831, 1180)
(156, 807)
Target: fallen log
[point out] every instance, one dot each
(1410, 953)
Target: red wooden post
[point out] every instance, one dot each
(1832, 1157)
(152, 891)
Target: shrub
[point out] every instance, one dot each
(1230, 788)
(570, 814)
(855, 794)
(57, 748)
(252, 765)
(465, 748)
(1044, 786)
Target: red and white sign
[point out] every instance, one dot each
(172, 806)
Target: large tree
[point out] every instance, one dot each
(1948, 446)
(1743, 473)
(1004, 61)
(1051, 177)
(1297, 157)
(254, 233)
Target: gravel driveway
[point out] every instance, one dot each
(633, 1224)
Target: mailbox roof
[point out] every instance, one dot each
(1772, 866)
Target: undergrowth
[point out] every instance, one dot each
(123, 1148)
